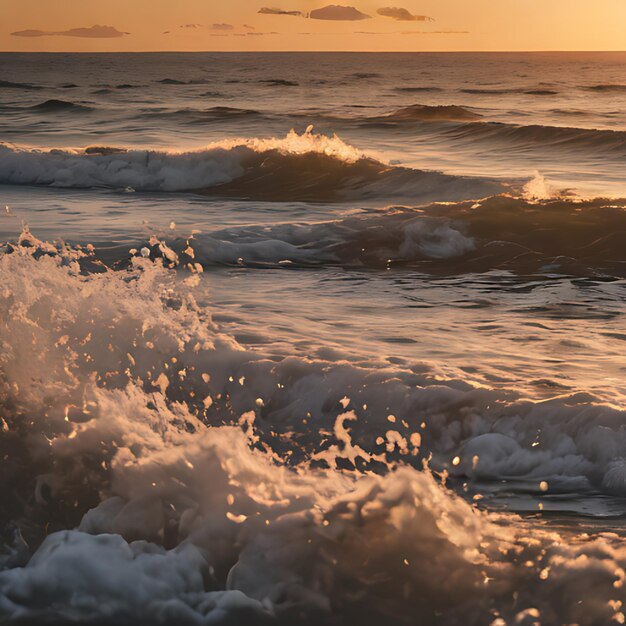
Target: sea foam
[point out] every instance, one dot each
(159, 505)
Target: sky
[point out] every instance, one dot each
(365, 25)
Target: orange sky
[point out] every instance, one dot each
(491, 25)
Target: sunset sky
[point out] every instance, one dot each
(135, 25)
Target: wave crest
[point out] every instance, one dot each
(429, 113)
(533, 235)
(307, 167)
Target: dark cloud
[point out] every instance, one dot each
(222, 27)
(248, 27)
(338, 12)
(402, 15)
(97, 32)
(270, 11)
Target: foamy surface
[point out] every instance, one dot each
(268, 356)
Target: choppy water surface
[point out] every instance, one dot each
(317, 338)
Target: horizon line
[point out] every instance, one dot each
(306, 51)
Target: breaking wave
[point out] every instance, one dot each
(304, 167)
(550, 236)
(159, 472)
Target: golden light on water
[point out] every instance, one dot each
(332, 339)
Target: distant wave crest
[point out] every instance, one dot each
(537, 136)
(426, 113)
(50, 106)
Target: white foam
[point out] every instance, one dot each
(323, 167)
(538, 188)
(155, 170)
(247, 538)
(394, 235)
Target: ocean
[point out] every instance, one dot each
(313, 338)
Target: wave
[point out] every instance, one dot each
(528, 237)
(417, 89)
(279, 82)
(564, 138)
(428, 113)
(502, 91)
(200, 116)
(379, 240)
(461, 123)
(486, 91)
(52, 105)
(304, 167)
(159, 472)
(572, 112)
(608, 87)
(175, 81)
(541, 92)
(464, 124)
(365, 75)
(7, 84)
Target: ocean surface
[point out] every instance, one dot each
(325, 339)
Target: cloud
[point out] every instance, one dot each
(97, 32)
(413, 32)
(254, 34)
(219, 29)
(338, 12)
(215, 27)
(270, 11)
(402, 15)
(434, 32)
